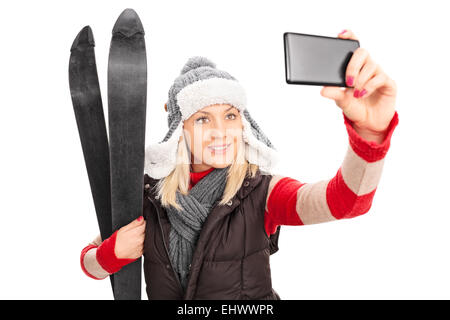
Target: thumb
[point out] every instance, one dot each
(334, 93)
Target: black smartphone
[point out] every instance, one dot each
(317, 60)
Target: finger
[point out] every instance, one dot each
(141, 228)
(335, 93)
(357, 61)
(373, 84)
(347, 34)
(368, 71)
(138, 249)
(139, 245)
(133, 224)
(137, 231)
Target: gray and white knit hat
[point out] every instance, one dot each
(201, 84)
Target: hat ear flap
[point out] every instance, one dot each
(161, 157)
(256, 151)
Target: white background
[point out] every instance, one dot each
(399, 250)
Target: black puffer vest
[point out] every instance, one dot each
(231, 259)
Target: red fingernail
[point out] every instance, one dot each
(363, 92)
(356, 93)
(349, 81)
(343, 31)
(140, 218)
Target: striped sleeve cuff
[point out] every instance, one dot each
(370, 150)
(89, 263)
(107, 258)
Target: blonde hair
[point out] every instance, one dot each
(179, 178)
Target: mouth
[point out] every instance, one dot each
(219, 149)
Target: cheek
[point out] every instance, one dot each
(197, 141)
(237, 134)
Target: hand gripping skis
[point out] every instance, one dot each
(115, 171)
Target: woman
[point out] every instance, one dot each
(212, 206)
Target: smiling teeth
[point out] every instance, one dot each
(219, 148)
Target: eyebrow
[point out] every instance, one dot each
(223, 112)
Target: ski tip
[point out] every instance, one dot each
(84, 38)
(128, 23)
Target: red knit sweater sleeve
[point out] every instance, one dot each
(348, 194)
(98, 259)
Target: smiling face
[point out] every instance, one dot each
(213, 135)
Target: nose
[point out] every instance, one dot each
(218, 131)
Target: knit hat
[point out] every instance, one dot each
(201, 84)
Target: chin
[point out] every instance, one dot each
(220, 165)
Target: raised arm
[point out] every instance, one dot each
(348, 194)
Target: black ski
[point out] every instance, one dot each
(87, 104)
(127, 97)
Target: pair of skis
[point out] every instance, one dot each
(115, 168)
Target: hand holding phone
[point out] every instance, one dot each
(368, 101)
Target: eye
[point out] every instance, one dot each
(201, 119)
(198, 120)
(232, 114)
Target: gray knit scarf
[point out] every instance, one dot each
(187, 223)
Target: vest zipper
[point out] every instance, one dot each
(167, 251)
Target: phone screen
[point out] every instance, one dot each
(317, 60)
